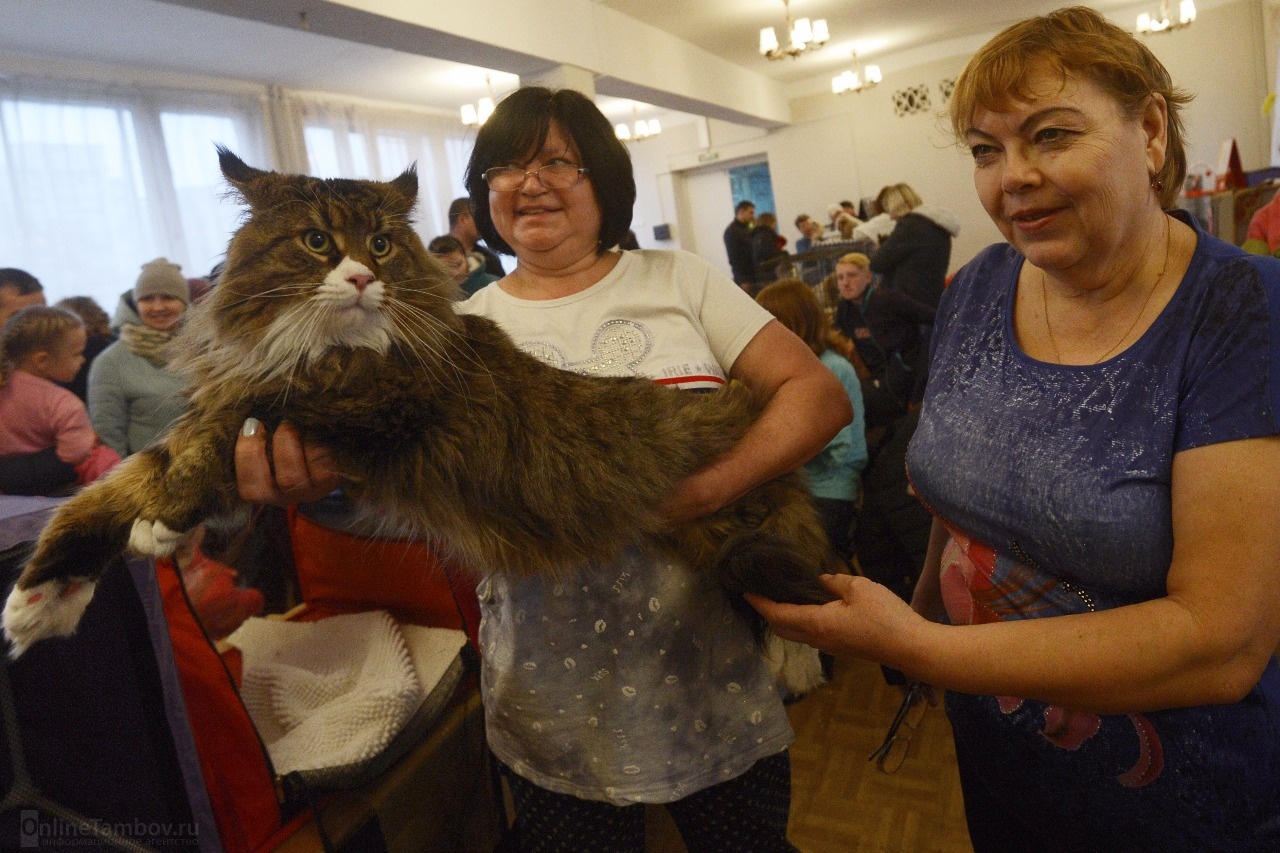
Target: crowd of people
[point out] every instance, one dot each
(1066, 455)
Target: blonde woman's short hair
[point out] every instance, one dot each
(1074, 41)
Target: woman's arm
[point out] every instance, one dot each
(806, 407)
(74, 434)
(1206, 641)
(927, 598)
(108, 408)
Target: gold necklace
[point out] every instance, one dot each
(1044, 295)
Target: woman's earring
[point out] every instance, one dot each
(1157, 184)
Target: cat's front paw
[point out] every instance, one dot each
(153, 538)
(49, 609)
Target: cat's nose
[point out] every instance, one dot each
(360, 280)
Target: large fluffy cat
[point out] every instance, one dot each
(331, 315)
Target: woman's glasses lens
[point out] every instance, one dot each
(553, 176)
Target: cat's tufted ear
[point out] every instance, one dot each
(407, 184)
(240, 174)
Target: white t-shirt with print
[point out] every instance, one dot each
(634, 681)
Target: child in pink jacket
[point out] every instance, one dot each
(39, 346)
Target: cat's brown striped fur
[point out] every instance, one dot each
(331, 315)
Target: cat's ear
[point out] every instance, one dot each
(240, 174)
(407, 184)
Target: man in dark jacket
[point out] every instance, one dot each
(885, 327)
(737, 244)
(766, 246)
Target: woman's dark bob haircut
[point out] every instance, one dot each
(516, 132)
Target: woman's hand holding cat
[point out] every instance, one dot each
(302, 472)
(867, 620)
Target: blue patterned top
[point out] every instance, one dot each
(1055, 483)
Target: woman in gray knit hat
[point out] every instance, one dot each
(133, 397)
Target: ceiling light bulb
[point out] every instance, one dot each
(820, 32)
(768, 40)
(873, 74)
(469, 117)
(802, 32)
(1187, 11)
(484, 109)
(621, 131)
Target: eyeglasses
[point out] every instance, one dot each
(897, 740)
(553, 176)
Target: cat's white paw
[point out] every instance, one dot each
(50, 609)
(796, 666)
(153, 539)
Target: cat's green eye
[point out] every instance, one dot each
(380, 245)
(317, 241)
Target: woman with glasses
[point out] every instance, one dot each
(635, 681)
(667, 700)
(1100, 445)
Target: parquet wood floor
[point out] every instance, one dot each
(840, 802)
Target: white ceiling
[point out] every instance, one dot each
(266, 41)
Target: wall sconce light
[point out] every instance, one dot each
(1164, 24)
(802, 35)
(856, 79)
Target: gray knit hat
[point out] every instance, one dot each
(161, 277)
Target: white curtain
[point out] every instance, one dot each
(346, 140)
(97, 180)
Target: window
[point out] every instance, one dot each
(95, 181)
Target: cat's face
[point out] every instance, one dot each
(324, 264)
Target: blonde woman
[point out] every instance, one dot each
(1099, 444)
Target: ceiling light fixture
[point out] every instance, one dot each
(474, 115)
(803, 35)
(1164, 24)
(642, 129)
(856, 79)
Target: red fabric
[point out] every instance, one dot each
(235, 768)
(219, 603)
(340, 573)
(99, 461)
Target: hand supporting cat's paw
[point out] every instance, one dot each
(153, 538)
(49, 609)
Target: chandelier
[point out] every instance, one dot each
(856, 79)
(1164, 24)
(802, 34)
(642, 129)
(474, 115)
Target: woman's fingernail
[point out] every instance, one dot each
(251, 427)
